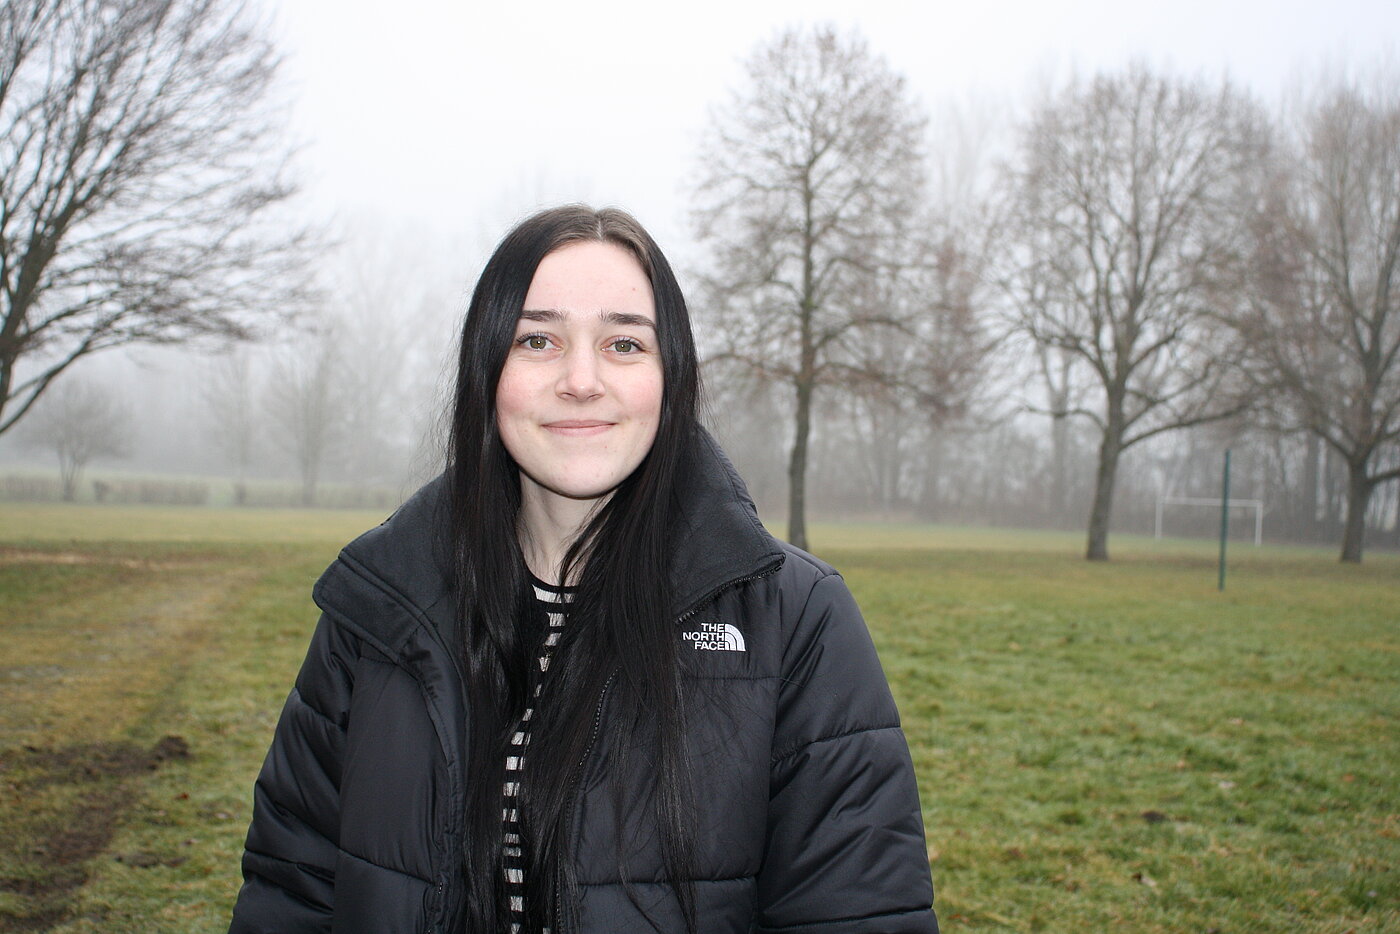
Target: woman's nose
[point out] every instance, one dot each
(580, 377)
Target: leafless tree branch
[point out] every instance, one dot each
(1123, 237)
(140, 180)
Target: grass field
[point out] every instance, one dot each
(1099, 747)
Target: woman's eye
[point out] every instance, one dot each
(535, 341)
(624, 346)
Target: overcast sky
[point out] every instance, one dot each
(456, 117)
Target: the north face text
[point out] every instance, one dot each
(715, 637)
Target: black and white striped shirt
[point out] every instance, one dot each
(554, 602)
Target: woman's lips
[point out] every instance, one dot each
(578, 428)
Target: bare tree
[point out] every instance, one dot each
(138, 179)
(1125, 244)
(971, 139)
(923, 373)
(1323, 321)
(80, 422)
(813, 175)
(308, 405)
(228, 395)
(391, 303)
(747, 414)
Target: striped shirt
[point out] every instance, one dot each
(554, 602)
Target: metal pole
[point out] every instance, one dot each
(1224, 517)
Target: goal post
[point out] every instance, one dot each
(1256, 504)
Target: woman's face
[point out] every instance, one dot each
(579, 399)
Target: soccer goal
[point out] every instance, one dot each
(1197, 501)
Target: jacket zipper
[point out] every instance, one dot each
(455, 817)
(573, 788)
(597, 725)
(708, 598)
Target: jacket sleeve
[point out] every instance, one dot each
(845, 851)
(290, 855)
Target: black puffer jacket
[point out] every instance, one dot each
(809, 815)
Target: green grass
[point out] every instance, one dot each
(103, 826)
(62, 522)
(1099, 746)
(1121, 745)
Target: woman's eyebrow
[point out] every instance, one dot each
(623, 319)
(617, 318)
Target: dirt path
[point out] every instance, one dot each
(89, 647)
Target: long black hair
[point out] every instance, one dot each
(619, 645)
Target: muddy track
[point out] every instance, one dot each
(99, 665)
(103, 781)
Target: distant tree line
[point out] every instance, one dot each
(1046, 318)
(347, 395)
(1161, 268)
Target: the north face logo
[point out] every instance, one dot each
(715, 637)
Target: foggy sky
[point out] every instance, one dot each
(461, 116)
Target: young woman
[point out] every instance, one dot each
(573, 685)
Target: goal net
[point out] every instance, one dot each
(1198, 502)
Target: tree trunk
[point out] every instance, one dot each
(928, 480)
(797, 469)
(68, 471)
(308, 485)
(1058, 507)
(1109, 450)
(1359, 487)
(1312, 481)
(1395, 524)
(1333, 493)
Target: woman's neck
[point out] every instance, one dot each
(548, 525)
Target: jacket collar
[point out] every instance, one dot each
(718, 542)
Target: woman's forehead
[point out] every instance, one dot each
(590, 278)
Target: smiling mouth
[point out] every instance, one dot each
(578, 427)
